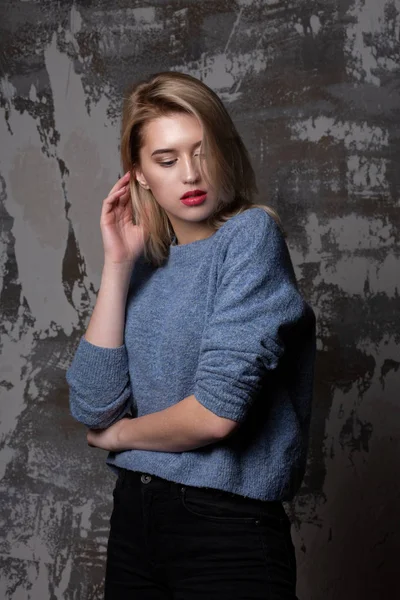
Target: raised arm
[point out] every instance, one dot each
(98, 377)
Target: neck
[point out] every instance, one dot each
(183, 237)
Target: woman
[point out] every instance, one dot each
(196, 368)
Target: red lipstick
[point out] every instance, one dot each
(194, 197)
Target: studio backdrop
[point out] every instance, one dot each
(314, 89)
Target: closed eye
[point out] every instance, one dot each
(169, 163)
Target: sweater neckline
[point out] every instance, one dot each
(183, 249)
(180, 251)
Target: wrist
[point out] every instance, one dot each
(124, 435)
(118, 268)
(117, 274)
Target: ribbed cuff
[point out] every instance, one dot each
(226, 409)
(98, 366)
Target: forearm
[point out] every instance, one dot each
(106, 325)
(98, 376)
(184, 426)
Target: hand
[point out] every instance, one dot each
(122, 240)
(108, 439)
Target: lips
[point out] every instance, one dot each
(193, 194)
(194, 200)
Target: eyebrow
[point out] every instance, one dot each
(165, 150)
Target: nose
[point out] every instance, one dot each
(190, 170)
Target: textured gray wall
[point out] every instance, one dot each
(313, 87)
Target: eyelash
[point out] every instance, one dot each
(170, 163)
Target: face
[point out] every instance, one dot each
(170, 167)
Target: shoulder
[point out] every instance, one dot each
(253, 229)
(254, 240)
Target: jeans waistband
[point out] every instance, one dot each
(138, 477)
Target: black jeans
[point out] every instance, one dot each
(178, 542)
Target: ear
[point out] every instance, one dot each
(140, 178)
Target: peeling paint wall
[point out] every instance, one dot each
(313, 87)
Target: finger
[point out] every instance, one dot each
(112, 199)
(121, 198)
(118, 193)
(121, 182)
(91, 437)
(125, 198)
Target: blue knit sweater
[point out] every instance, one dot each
(222, 319)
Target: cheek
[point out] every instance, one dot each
(161, 179)
(163, 186)
(154, 178)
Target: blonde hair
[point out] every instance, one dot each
(228, 164)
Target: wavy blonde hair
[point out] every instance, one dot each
(229, 169)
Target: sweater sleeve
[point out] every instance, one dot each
(256, 307)
(99, 384)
